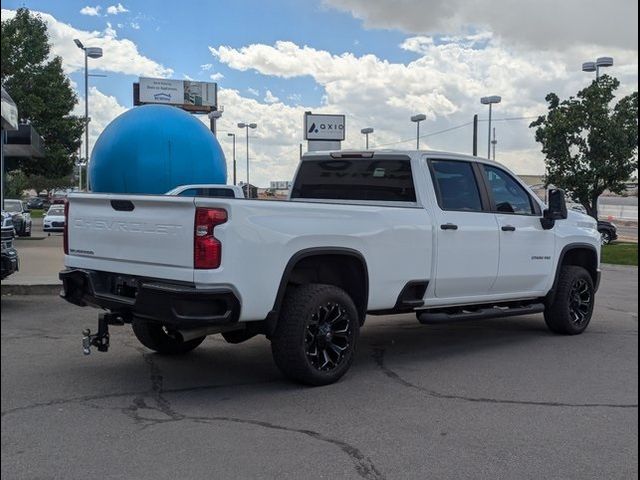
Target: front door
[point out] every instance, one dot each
(467, 234)
(526, 249)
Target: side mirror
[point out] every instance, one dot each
(557, 208)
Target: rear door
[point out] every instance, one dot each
(467, 234)
(526, 249)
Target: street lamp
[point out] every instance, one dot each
(247, 126)
(490, 101)
(595, 66)
(213, 116)
(366, 132)
(89, 52)
(417, 119)
(234, 155)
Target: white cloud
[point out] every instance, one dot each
(445, 82)
(116, 9)
(270, 97)
(253, 91)
(216, 77)
(541, 23)
(91, 11)
(120, 55)
(206, 67)
(135, 25)
(110, 31)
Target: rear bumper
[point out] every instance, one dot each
(176, 305)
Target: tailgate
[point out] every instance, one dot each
(132, 234)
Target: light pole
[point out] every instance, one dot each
(494, 142)
(366, 132)
(490, 101)
(417, 119)
(213, 116)
(247, 126)
(234, 155)
(93, 52)
(595, 66)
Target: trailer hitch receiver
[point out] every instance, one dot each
(100, 340)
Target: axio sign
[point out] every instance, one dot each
(177, 92)
(324, 127)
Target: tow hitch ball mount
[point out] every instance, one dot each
(100, 340)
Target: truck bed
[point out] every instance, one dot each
(153, 236)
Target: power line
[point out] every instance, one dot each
(462, 125)
(425, 135)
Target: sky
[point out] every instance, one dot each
(376, 61)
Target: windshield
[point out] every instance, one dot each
(56, 211)
(12, 206)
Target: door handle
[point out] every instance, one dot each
(508, 228)
(449, 226)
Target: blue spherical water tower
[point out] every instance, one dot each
(153, 149)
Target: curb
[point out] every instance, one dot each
(43, 289)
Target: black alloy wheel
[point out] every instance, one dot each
(580, 301)
(327, 336)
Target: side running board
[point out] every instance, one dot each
(430, 317)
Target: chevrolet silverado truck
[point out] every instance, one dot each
(445, 236)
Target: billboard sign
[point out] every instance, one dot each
(324, 127)
(280, 185)
(184, 93)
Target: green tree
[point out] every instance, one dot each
(590, 144)
(42, 93)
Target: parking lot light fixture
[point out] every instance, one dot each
(89, 52)
(601, 62)
(417, 119)
(366, 132)
(247, 126)
(490, 100)
(233, 135)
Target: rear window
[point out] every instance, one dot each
(388, 180)
(207, 192)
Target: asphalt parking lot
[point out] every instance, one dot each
(495, 399)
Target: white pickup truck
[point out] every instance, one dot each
(446, 236)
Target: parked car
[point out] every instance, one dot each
(608, 232)
(54, 219)
(20, 216)
(207, 190)
(446, 236)
(35, 203)
(10, 261)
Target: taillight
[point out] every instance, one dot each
(66, 228)
(207, 249)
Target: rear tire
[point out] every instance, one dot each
(316, 335)
(158, 338)
(572, 307)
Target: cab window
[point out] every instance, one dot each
(456, 185)
(508, 195)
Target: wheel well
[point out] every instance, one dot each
(343, 268)
(585, 257)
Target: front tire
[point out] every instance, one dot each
(605, 238)
(158, 338)
(316, 335)
(572, 307)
